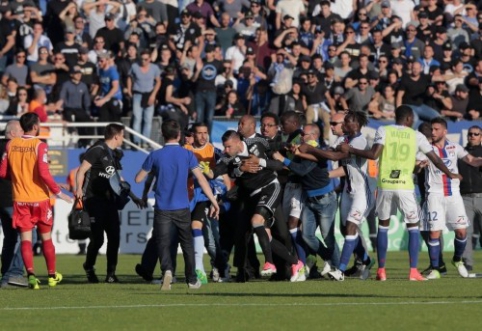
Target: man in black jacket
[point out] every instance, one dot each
(260, 189)
(471, 190)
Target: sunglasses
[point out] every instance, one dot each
(335, 123)
(363, 83)
(471, 134)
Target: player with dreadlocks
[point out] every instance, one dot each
(357, 198)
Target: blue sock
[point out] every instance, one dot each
(382, 245)
(198, 248)
(459, 248)
(413, 245)
(360, 251)
(350, 243)
(298, 242)
(434, 252)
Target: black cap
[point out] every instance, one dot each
(397, 61)
(249, 51)
(249, 13)
(197, 15)
(440, 29)
(109, 16)
(310, 72)
(238, 36)
(447, 46)
(75, 69)
(209, 48)
(411, 59)
(305, 58)
(461, 88)
(423, 14)
(373, 75)
(328, 65)
(185, 12)
(464, 45)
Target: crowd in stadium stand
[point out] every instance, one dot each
(192, 60)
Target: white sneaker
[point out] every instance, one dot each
(158, 281)
(216, 276)
(434, 274)
(337, 275)
(461, 268)
(195, 286)
(166, 281)
(326, 268)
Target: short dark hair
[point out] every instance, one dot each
(198, 125)
(357, 116)
(292, 115)
(403, 112)
(426, 129)
(170, 129)
(439, 120)
(229, 135)
(28, 120)
(112, 129)
(475, 127)
(270, 115)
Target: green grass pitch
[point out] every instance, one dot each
(451, 303)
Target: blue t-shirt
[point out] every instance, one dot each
(106, 77)
(171, 166)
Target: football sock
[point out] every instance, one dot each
(382, 244)
(434, 252)
(263, 239)
(413, 245)
(297, 239)
(49, 255)
(348, 247)
(459, 248)
(198, 248)
(281, 250)
(360, 251)
(27, 255)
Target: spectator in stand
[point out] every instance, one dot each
(89, 71)
(224, 32)
(237, 52)
(232, 107)
(155, 9)
(42, 73)
(439, 97)
(98, 49)
(18, 102)
(75, 101)
(205, 9)
(109, 100)
(68, 15)
(185, 30)
(112, 35)
(359, 98)
(69, 48)
(428, 60)
(36, 41)
(96, 12)
(17, 70)
(474, 109)
(143, 84)
(412, 91)
(460, 101)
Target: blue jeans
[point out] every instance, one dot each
(321, 212)
(205, 103)
(12, 263)
(141, 117)
(424, 113)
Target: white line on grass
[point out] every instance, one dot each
(174, 305)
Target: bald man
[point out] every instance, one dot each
(247, 127)
(12, 263)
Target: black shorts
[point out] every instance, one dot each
(268, 197)
(199, 211)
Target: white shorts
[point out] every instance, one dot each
(355, 207)
(440, 211)
(389, 201)
(292, 200)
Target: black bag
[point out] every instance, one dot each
(122, 199)
(79, 222)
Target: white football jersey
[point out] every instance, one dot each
(438, 182)
(356, 167)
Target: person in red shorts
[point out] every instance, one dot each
(25, 161)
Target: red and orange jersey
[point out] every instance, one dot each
(26, 161)
(203, 154)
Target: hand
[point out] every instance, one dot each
(139, 203)
(249, 167)
(254, 159)
(277, 156)
(305, 148)
(204, 167)
(422, 164)
(64, 197)
(214, 210)
(79, 194)
(186, 100)
(99, 102)
(151, 100)
(344, 148)
(456, 176)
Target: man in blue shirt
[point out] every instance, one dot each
(109, 101)
(171, 166)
